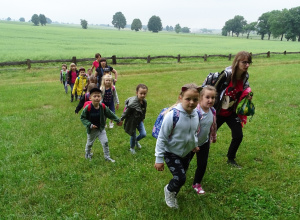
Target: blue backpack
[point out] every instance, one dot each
(160, 118)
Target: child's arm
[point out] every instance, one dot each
(80, 104)
(75, 86)
(60, 77)
(128, 111)
(84, 118)
(116, 98)
(109, 114)
(116, 74)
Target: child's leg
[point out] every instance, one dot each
(133, 140)
(104, 141)
(202, 157)
(71, 86)
(91, 137)
(178, 167)
(142, 131)
(65, 86)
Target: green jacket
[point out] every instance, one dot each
(133, 114)
(104, 113)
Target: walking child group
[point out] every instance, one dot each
(188, 127)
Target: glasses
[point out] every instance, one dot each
(246, 62)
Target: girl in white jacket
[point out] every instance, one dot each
(174, 144)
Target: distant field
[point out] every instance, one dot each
(21, 41)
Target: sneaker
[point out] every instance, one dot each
(170, 198)
(110, 160)
(88, 156)
(132, 150)
(111, 124)
(137, 144)
(105, 125)
(198, 188)
(233, 163)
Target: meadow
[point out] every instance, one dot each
(44, 175)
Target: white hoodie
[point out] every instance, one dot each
(184, 136)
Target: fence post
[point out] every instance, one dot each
(229, 56)
(268, 54)
(28, 63)
(114, 59)
(178, 58)
(74, 60)
(205, 57)
(148, 59)
(284, 52)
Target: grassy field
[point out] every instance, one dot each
(43, 172)
(20, 41)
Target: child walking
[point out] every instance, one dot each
(79, 85)
(134, 115)
(72, 75)
(206, 135)
(174, 144)
(93, 118)
(63, 77)
(110, 95)
(85, 98)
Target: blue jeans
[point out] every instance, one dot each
(135, 138)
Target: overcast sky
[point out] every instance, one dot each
(210, 14)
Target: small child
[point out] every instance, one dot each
(79, 85)
(85, 98)
(93, 118)
(106, 71)
(110, 95)
(72, 75)
(175, 144)
(134, 115)
(206, 135)
(96, 62)
(89, 73)
(63, 77)
(100, 71)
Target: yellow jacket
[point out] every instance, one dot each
(79, 85)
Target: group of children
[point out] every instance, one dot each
(175, 145)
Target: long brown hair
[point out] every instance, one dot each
(235, 65)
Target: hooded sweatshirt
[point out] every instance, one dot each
(184, 135)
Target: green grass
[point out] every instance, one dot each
(21, 41)
(43, 173)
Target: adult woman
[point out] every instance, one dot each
(100, 71)
(238, 87)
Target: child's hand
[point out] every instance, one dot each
(196, 149)
(159, 166)
(117, 106)
(94, 127)
(120, 123)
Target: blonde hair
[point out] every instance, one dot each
(209, 88)
(71, 65)
(102, 88)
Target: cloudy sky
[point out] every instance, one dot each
(210, 14)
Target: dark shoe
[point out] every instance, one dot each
(233, 163)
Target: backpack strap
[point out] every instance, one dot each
(90, 106)
(103, 106)
(176, 114)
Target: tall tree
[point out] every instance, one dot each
(278, 23)
(171, 28)
(136, 24)
(83, 23)
(167, 28)
(237, 24)
(119, 20)
(8, 19)
(43, 19)
(185, 30)
(154, 24)
(49, 21)
(177, 28)
(228, 27)
(35, 19)
(250, 27)
(293, 24)
(22, 19)
(263, 26)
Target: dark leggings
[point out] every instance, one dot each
(235, 125)
(202, 156)
(178, 167)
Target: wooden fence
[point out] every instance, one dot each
(114, 59)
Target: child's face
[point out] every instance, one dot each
(141, 94)
(189, 100)
(73, 68)
(64, 68)
(95, 97)
(103, 63)
(207, 100)
(90, 72)
(107, 82)
(82, 73)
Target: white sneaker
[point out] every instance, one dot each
(132, 150)
(111, 124)
(137, 144)
(110, 160)
(170, 198)
(88, 156)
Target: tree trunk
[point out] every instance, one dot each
(248, 35)
(281, 37)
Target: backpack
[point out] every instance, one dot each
(219, 80)
(160, 118)
(89, 104)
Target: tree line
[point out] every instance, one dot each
(284, 23)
